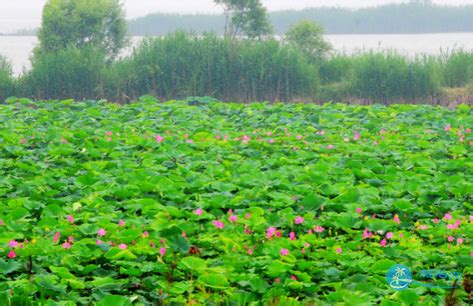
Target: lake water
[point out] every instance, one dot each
(18, 48)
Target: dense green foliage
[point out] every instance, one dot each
(200, 201)
(395, 18)
(384, 77)
(458, 69)
(247, 18)
(83, 24)
(308, 37)
(71, 72)
(6, 79)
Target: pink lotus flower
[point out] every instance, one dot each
(108, 133)
(367, 234)
(389, 235)
(250, 251)
(56, 237)
(162, 251)
(278, 233)
(247, 216)
(299, 220)
(293, 277)
(357, 136)
(268, 134)
(447, 216)
(271, 140)
(247, 231)
(66, 245)
(70, 239)
(450, 238)
(121, 223)
(396, 219)
(233, 218)
(459, 240)
(278, 280)
(299, 137)
(383, 243)
(109, 139)
(284, 252)
(310, 231)
(447, 128)
(319, 229)
(330, 146)
(11, 254)
(2, 223)
(23, 141)
(382, 132)
(101, 232)
(99, 242)
(436, 220)
(270, 232)
(468, 131)
(292, 236)
(122, 246)
(13, 243)
(218, 224)
(145, 234)
(70, 219)
(423, 227)
(401, 235)
(346, 139)
(159, 138)
(471, 219)
(358, 210)
(339, 250)
(198, 212)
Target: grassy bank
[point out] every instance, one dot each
(182, 65)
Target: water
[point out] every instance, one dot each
(18, 48)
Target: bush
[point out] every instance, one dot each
(6, 80)
(67, 73)
(390, 76)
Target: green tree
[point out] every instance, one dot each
(308, 37)
(78, 24)
(245, 17)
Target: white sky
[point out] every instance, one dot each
(17, 14)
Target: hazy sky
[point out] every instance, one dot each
(16, 14)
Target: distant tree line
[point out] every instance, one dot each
(413, 17)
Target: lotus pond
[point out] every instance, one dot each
(203, 202)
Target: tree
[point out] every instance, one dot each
(308, 37)
(79, 24)
(247, 17)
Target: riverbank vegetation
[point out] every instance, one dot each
(246, 64)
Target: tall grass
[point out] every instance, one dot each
(389, 76)
(457, 69)
(182, 64)
(68, 73)
(6, 80)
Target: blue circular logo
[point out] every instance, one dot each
(399, 277)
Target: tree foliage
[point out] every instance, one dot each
(245, 17)
(308, 37)
(83, 23)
